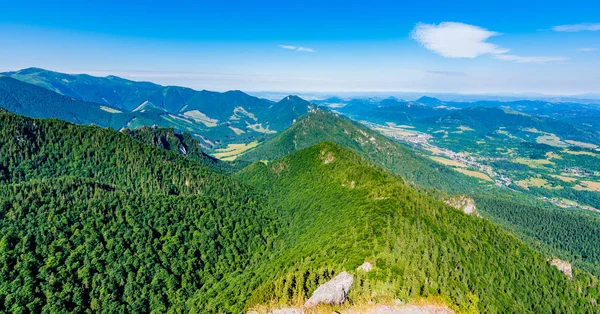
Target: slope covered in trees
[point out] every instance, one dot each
(339, 210)
(181, 143)
(215, 118)
(512, 210)
(93, 219)
(325, 126)
(37, 102)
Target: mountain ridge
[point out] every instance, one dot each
(217, 118)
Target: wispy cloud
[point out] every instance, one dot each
(521, 59)
(305, 49)
(297, 48)
(459, 40)
(587, 49)
(577, 27)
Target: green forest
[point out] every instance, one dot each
(93, 220)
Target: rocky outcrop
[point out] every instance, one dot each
(563, 266)
(334, 291)
(366, 267)
(464, 203)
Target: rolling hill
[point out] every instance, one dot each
(37, 102)
(325, 126)
(488, 120)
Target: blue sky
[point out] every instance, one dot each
(550, 47)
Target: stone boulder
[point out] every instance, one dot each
(366, 267)
(334, 291)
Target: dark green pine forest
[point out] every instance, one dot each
(95, 220)
(568, 234)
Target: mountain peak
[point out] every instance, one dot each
(292, 98)
(429, 101)
(26, 71)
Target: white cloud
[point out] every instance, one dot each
(521, 59)
(305, 49)
(577, 27)
(459, 40)
(456, 40)
(587, 49)
(297, 48)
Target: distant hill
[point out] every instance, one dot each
(325, 126)
(37, 102)
(583, 115)
(111, 90)
(214, 118)
(430, 101)
(485, 121)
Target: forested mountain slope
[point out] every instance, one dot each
(214, 118)
(573, 235)
(92, 219)
(181, 143)
(339, 211)
(37, 102)
(325, 126)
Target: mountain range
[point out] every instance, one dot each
(111, 199)
(214, 118)
(115, 224)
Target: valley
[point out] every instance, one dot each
(496, 157)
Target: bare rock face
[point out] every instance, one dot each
(334, 291)
(366, 267)
(563, 266)
(464, 203)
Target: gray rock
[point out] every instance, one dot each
(334, 291)
(366, 266)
